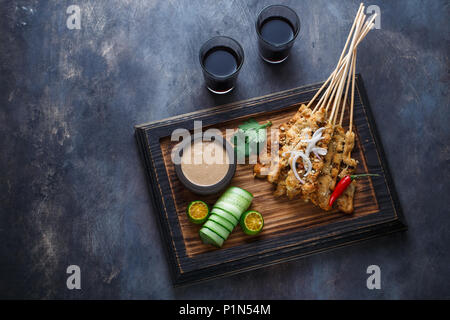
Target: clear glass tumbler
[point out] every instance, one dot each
(221, 59)
(277, 27)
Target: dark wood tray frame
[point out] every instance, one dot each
(286, 247)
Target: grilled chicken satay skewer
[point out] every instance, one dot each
(325, 112)
(341, 143)
(338, 79)
(333, 159)
(345, 201)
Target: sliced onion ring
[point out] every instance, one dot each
(294, 167)
(311, 147)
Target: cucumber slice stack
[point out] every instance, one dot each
(223, 222)
(225, 215)
(217, 228)
(210, 237)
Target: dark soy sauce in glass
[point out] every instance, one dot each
(221, 59)
(277, 31)
(220, 62)
(277, 27)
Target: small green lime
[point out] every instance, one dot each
(252, 222)
(197, 211)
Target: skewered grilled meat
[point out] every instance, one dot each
(298, 171)
(320, 183)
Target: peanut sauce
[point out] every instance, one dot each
(205, 163)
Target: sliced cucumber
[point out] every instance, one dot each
(236, 199)
(210, 237)
(244, 193)
(230, 208)
(217, 228)
(242, 198)
(226, 215)
(223, 222)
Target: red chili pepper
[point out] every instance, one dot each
(343, 184)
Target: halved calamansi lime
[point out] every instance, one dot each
(197, 211)
(252, 222)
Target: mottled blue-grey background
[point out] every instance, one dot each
(73, 189)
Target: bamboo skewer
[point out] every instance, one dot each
(343, 61)
(332, 78)
(329, 89)
(352, 97)
(320, 90)
(360, 10)
(368, 26)
(335, 73)
(338, 80)
(337, 87)
(352, 46)
(346, 88)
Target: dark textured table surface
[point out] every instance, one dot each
(73, 189)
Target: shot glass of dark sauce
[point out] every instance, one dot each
(277, 27)
(221, 59)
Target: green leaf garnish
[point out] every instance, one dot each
(253, 124)
(250, 136)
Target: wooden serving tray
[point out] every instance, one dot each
(292, 228)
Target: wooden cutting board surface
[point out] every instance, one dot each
(280, 214)
(292, 228)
